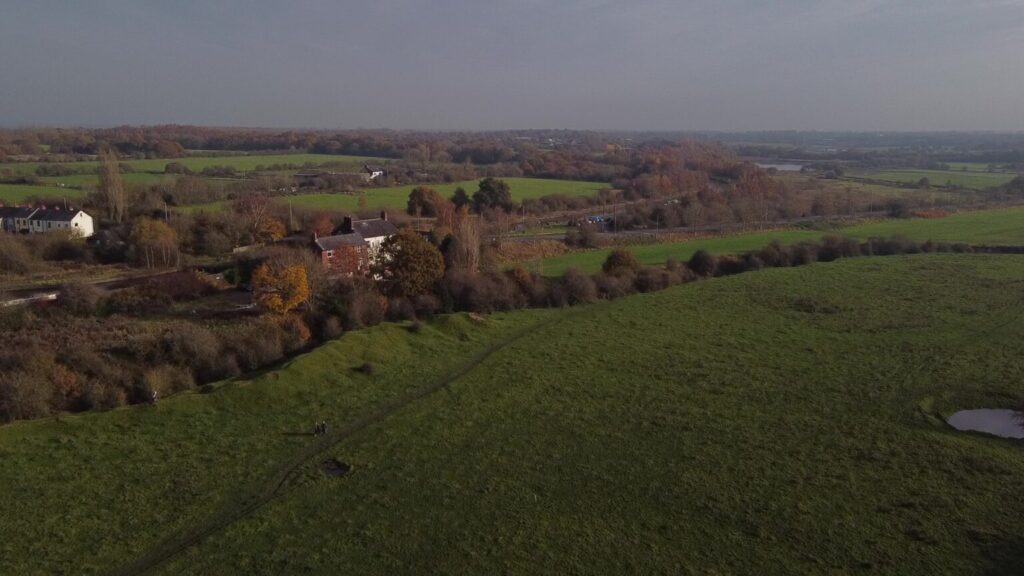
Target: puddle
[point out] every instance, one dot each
(1003, 423)
(336, 468)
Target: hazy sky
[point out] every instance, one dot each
(479, 64)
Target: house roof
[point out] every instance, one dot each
(16, 211)
(54, 215)
(374, 228)
(373, 167)
(337, 241)
(309, 173)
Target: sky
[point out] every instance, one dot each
(728, 65)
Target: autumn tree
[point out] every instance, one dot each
(255, 209)
(154, 243)
(111, 188)
(280, 289)
(423, 201)
(463, 247)
(408, 265)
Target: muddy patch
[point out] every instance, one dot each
(998, 422)
(336, 468)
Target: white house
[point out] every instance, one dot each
(26, 220)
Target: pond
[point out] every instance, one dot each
(1003, 423)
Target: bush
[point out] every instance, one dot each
(14, 256)
(702, 263)
(295, 334)
(579, 288)
(79, 299)
(165, 380)
(620, 260)
(367, 368)
(835, 247)
(24, 395)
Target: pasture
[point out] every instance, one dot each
(17, 193)
(970, 179)
(397, 197)
(783, 421)
(1003, 226)
(657, 254)
(240, 162)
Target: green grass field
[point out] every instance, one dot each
(658, 254)
(397, 197)
(998, 226)
(197, 163)
(973, 180)
(14, 193)
(723, 427)
(89, 181)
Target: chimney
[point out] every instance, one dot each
(346, 225)
(384, 215)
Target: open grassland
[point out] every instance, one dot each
(15, 193)
(969, 179)
(91, 181)
(658, 254)
(1003, 226)
(197, 163)
(784, 421)
(397, 197)
(1000, 226)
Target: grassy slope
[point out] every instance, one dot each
(998, 226)
(397, 197)
(697, 429)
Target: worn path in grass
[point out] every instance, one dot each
(275, 484)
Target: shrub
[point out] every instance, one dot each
(401, 309)
(164, 380)
(652, 279)
(835, 247)
(802, 254)
(367, 368)
(702, 263)
(294, 332)
(579, 288)
(14, 256)
(620, 260)
(23, 395)
(611, 287)
(79, 298)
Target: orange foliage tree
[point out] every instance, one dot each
(280, 290)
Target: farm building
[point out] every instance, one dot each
(355, 244)
(26, 220)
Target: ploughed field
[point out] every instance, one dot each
(782, 421)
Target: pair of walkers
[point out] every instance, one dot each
(320, 428)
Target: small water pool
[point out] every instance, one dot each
(998, 422)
